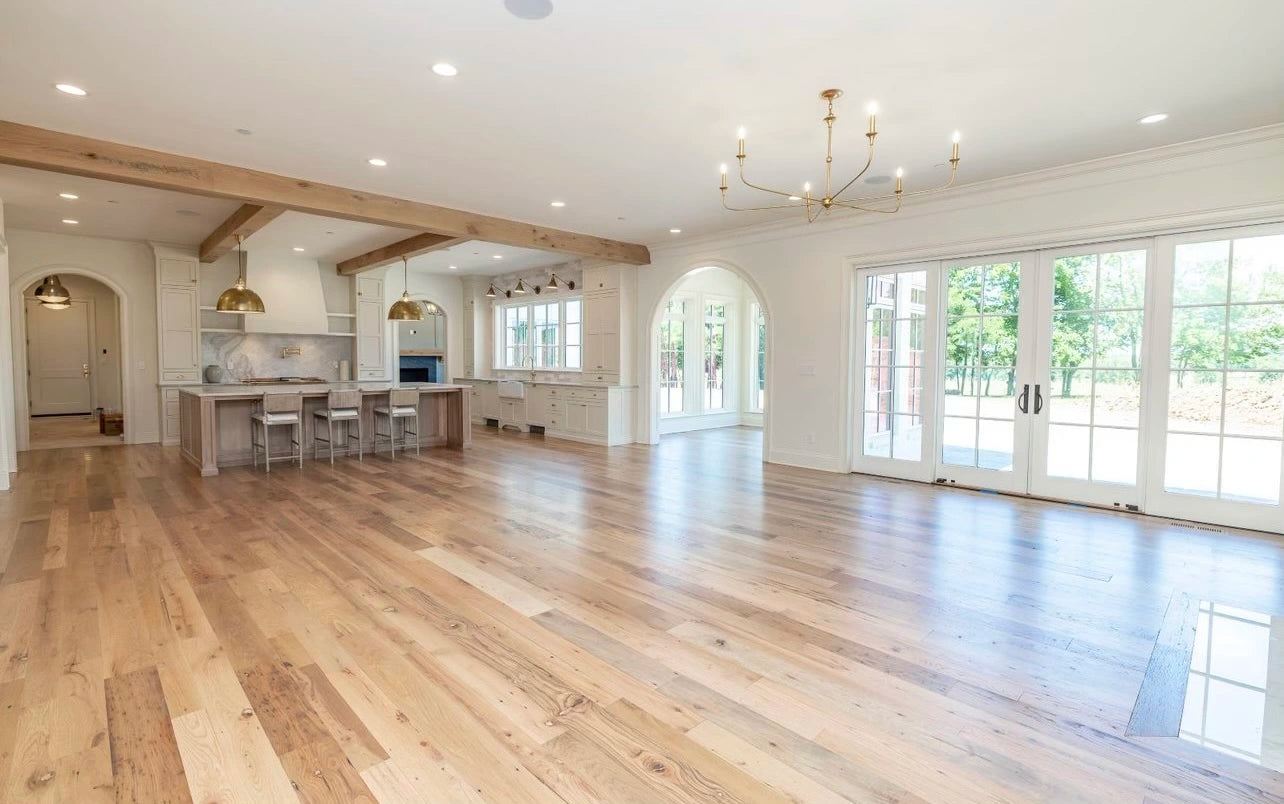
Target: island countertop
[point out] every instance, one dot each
(240, 390)
(214, 420)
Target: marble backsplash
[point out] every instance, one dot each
(259, 355)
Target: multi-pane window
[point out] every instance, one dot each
(545, 327)
(715, 353)
(516, 335)
(541, 335)
(895, 309)
(574, 332)
(672, 356)
(1225, 427)
(758, 334)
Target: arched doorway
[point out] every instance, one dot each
(709, 354)
(106, 312)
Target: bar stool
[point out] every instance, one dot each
(403, 404)
(277, 410)
(341, 406)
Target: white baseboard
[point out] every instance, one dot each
(707, 421)
(807, 460)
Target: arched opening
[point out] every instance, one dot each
(422, 347)
(70, 383)
(709, 356)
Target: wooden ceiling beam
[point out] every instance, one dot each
(42, 149)
(410, 247)
(245, 221)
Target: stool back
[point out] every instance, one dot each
(283, 403)
(403, 397)
(344, 400)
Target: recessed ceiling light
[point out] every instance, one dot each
(499, 256)
(71, 89)
(1153, 118)
(298, 248)
(70, 221)
(529, 9)
(454, 267)
(675, 231)
(68, 196)
(377, 162)
(445, 70)
(557, 203)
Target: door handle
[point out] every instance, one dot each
(85, 368)
(1038, 400)
(1023, 401)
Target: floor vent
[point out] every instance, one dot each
(1193, 526)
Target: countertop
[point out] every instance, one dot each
(562, 383)
(243, 390)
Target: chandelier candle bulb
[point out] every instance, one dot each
(724, 178)
(740, 136)
(954, 154)
(873, 114)
(900, 174)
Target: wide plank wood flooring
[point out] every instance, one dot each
(532, 621)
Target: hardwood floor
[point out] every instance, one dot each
(55, 432)
(545, 621)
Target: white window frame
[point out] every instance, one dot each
(684, 318)
(757, 355)
(728, 351)
(525, 351)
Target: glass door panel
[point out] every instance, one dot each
(1223, 407)
(984, 354)
(1087, 405)
(896, 308)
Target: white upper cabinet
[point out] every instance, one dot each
(177, 315)
(609, 298)
(371, 328)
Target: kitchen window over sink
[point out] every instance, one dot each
(546, 335)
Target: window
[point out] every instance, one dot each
(758, 336)
(672, 356)
(715, 346)
(545, 327)
(543, 335)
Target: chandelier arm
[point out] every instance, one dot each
(850, 205)
(868, 162)
(889, 196)
(748, 183)
(755, 209)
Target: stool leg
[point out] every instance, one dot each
(254, 447)
(267, 447)
(298, 439)
(359, 428)
(417, 438)
(331, 423)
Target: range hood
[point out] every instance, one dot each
(292, 295)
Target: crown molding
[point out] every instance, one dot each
(975, 193)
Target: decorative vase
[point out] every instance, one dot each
(213, 374)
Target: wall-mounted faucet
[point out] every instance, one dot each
(292, 351)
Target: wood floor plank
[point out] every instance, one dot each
(546, 621)
(146, 765)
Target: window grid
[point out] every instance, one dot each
(1204, 675)
(757, 391)
(673, 357)
(715, 332)
(894, 303)
(541, 335)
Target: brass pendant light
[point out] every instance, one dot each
(491, 292)
(62, 305)
(51, 290)
(239, 298)
(405, 308)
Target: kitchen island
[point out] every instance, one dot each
(215, 419)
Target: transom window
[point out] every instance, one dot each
(544, 335)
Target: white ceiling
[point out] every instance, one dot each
(623, 110)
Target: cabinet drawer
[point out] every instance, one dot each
(179, 376)
(555, 422)
(371, 374)
(602, 378)
(589, 394)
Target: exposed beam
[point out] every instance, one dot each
(27, 146)
(410, 247)
(245, 221)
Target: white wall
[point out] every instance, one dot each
(8, 434)
(804, 272)
(130, 267)
(106, 335)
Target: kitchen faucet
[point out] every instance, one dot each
(531, 360)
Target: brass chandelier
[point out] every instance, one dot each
(816, 206)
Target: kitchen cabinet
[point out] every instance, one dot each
(609, 299)
(177, 315)
(169, 416)
(588, 413)
(372, 361)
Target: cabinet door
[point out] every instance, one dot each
(171, 271)
(596, 424)
(370, 328)
(490, 400)
(180, 335)
(576, 417)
